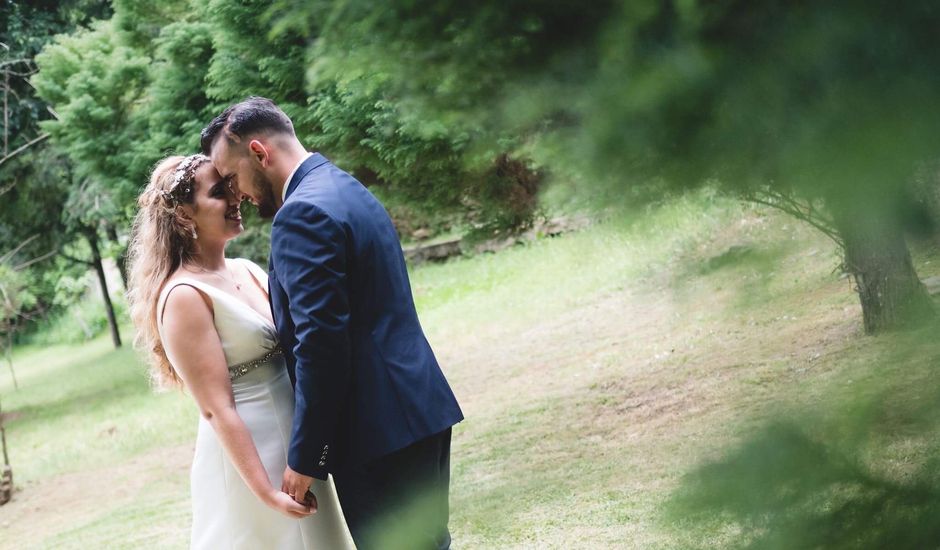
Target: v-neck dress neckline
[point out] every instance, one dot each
(244, 332)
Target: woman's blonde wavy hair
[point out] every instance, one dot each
(162, 239)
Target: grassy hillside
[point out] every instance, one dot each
(597, 370)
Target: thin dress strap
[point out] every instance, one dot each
(198, 285)
(259, 275)
(237, 370)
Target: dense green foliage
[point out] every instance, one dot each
(454, 112)
(825, 111)
(37, 216)
(754, 93)
(144, 82)
(124, 83)
(94, 81)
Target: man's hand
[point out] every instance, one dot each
(286, 505)
(298, 487)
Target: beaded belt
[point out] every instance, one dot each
(241, 369)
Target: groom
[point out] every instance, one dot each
(372, 405)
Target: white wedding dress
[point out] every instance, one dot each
(226, 514)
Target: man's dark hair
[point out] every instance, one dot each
(254, 115)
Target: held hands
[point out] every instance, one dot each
(283, 503)
(297, 486)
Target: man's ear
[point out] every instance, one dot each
(259, 152)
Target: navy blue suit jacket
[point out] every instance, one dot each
(365, 379)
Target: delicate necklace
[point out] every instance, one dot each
(230, 279)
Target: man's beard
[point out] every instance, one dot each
(266, 205)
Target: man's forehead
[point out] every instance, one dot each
(219, 148)
(221, 155)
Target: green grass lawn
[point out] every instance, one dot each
(96, 397)
(595, 369)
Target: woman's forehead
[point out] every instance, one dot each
(206, 175)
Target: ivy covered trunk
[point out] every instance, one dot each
(877, 257)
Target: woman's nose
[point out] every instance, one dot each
(234, 195)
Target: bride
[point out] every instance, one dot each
(206, 325)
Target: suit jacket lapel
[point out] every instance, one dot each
(313, 161)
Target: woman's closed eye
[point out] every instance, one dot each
(230, 185)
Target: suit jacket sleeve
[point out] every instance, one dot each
(308, 250)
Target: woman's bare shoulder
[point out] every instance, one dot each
(184, 300)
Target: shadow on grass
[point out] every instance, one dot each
(861, 470)
(741, 256)
(83, 402)
(79, 387)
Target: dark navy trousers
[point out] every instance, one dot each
(400, 500)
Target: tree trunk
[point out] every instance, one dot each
(6, 473)
(92, 236)
(6, 113)
(121, 259)
(8, 352)
(877, 257)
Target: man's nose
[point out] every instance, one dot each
(235, 194)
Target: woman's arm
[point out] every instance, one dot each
(193, 347)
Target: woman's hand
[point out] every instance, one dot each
(283, 503)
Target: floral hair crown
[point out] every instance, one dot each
(182, 186)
